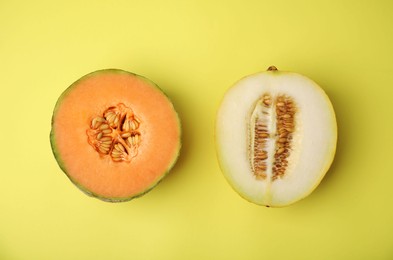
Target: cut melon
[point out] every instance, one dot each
(276, 137)
(115, 134)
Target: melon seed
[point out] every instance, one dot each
(126, 135)
(107, 131)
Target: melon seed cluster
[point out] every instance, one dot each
(283, 108)
(285, 112)
(115, 133)
(260, 154)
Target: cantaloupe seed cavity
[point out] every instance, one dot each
(272, 125)
(115, 133)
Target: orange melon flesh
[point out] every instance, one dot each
(98, 175)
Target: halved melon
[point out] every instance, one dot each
(115, 134)
(276, 137)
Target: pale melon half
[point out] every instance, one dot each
(276, 136)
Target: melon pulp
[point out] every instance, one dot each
(115, 134)
(276, 136)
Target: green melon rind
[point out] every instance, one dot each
(61, 164)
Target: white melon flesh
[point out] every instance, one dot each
(312, 146)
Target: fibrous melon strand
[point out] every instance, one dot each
(283, 109)
(115, 133)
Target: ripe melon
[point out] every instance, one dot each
(115, 134)
(276, 136)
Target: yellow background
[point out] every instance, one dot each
(195, 50)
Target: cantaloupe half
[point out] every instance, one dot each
(276, 136)
(115, 134)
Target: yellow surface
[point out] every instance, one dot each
(195, 50)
